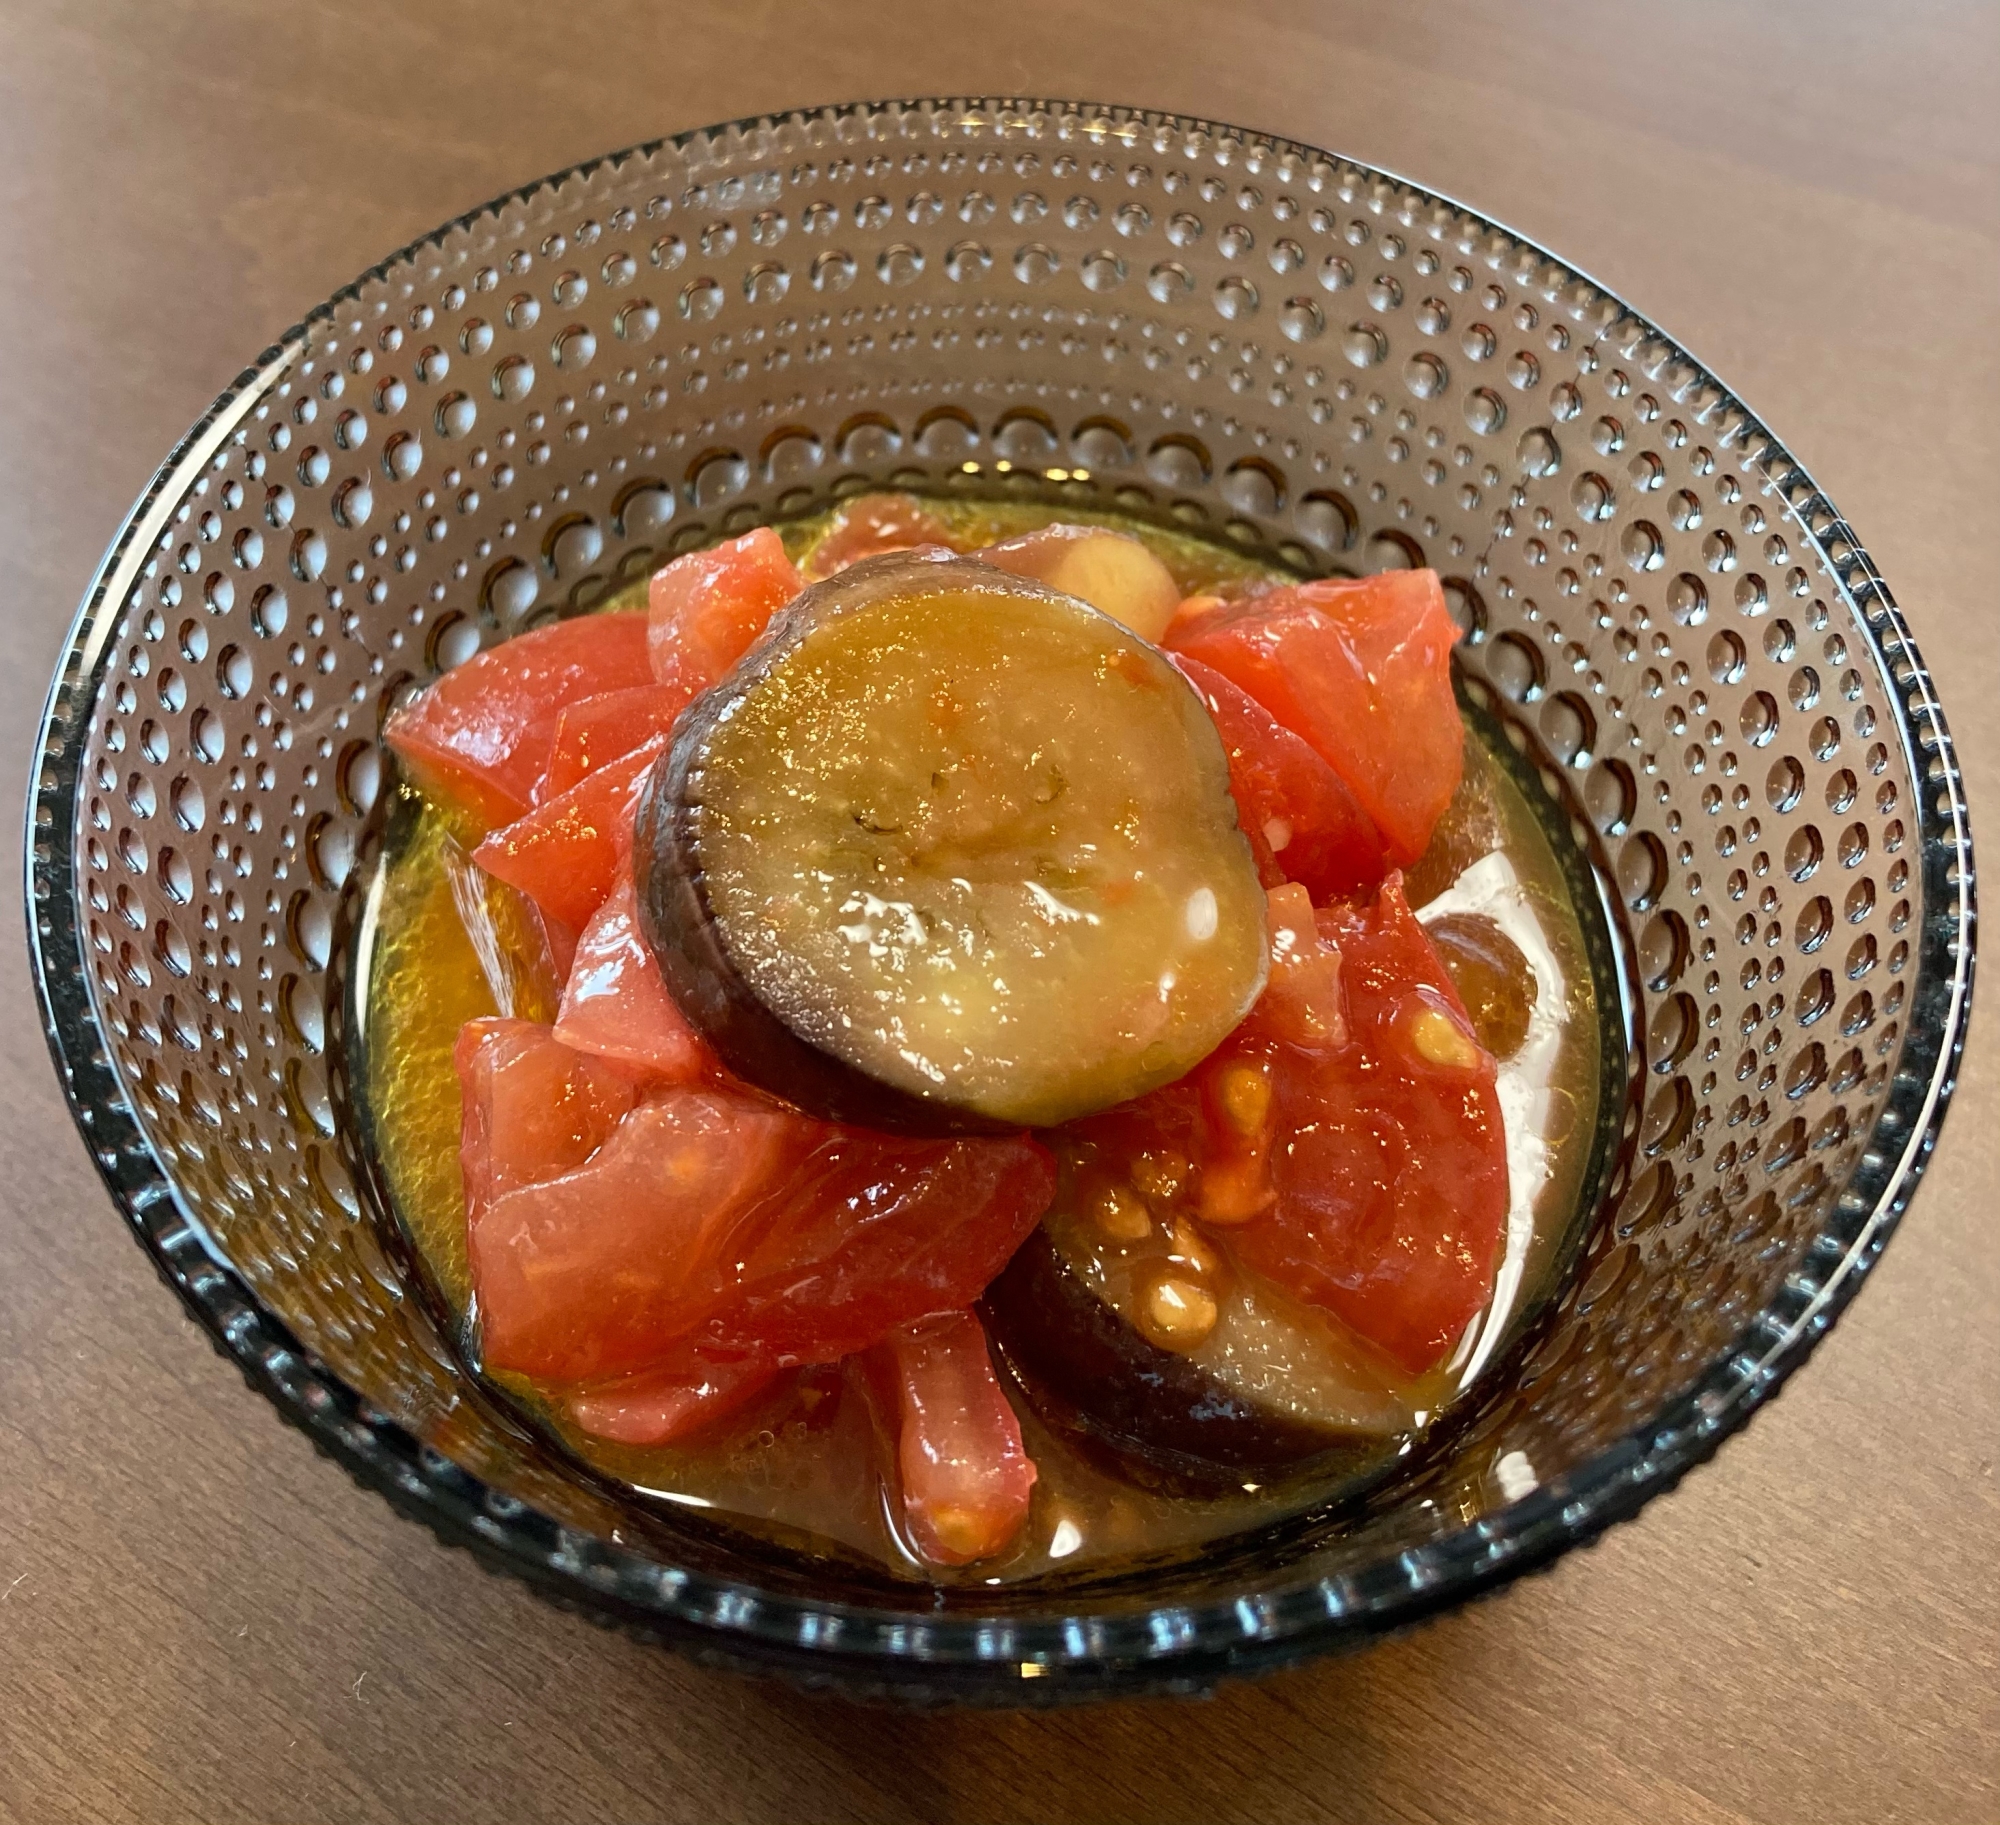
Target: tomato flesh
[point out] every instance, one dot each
(707, 607)
(964, 1475)
(533, 1107)
(1303, 1003)
(1303, 822)
(1391, 1170)
(615, 1004)
(578, 1276)
(1365, 1168)
(1361, 670)
(565, 854)
(870, 1232)
(712, 1220)
(594, 731)
(481, 735)
(665, 1406)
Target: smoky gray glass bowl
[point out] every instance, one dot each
(1230, 332)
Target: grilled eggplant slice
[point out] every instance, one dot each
(950, 851)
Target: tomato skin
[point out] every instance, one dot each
(963, 1474)
(1392, 1176)
(565, 854)
(1284, 790)
(615, 1003)
(1361, 670)
(594, 731)
(872, 524)
(706, 608)
(481, 735)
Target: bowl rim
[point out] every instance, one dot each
(912, 1653)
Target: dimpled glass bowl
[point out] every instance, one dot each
(1247, 337)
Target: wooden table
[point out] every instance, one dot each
(201, 1620)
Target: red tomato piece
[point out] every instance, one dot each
(872, 524)
(482, 734)
(707, 607)
(561, 940)
(871, 1232)
(1392, 1179)
(965, 1477)
(564, 855)
(580, 1276)
(596, 730)
(665, 1406)
(533, 1108)
(616, 1006)
(1362, 671)
(1303, 822)
(713, 1220)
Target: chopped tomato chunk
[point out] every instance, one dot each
(481, 735)
(872, 524)
(964, 1476)
(1362, 671)
(714, 1220)
(594, 731)
(533, 1107)
(1303, 822)
(1392, 1183)
(580, 1275)
(616, 1004)
(872, 1231)
(561, 942)
(665, 1406)
(707, 607)
(564, 854)
(1367, 1176)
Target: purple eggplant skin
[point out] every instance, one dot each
(679, 922)
(1166, 1421)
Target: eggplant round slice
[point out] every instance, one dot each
(950, 851)
(1259, 1389)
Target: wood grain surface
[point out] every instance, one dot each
(201, 1620)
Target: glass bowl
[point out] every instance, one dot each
(1233, 333)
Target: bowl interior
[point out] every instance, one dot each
(1244, 337)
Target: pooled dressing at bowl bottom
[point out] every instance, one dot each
(436, 948)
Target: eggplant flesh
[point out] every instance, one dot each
(949, 852)
(1259, 1402)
